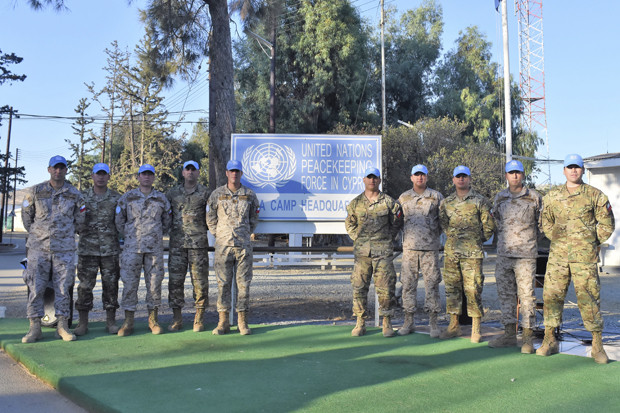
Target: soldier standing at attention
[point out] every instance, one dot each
(188, 246)
(420, 249)
(373, 220)
(232, 216)
(577, 218)
(466, 218)
(98, 250)
(52, 212)
(518, 214)
(142, 216)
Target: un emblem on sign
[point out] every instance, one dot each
(269, 164)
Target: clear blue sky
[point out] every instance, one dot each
(62, 51)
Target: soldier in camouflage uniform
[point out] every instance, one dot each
(98, 250)
(52, 212)
(577, 218)
(518, 214)
(373, 220)
(420, 249)
(466, 218)
(188, 246)
(232, 216)
(142, 216)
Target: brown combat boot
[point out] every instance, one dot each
(242, 323)
(127, 327)
(199, 320)
(177, 320)
(550, 345)
(62, 330)
(598, 352)
(360, 328)
(153, 324)
(34, 333)
(432, 321)
(388, 331)
(408, 325)
(527, 346)
(476, 337)
(82, 327)
(508, 339)
(110, 321)
(454, 328)
(223, 325)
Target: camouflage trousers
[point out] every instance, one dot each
(229, 261)
(43, 266)
(414, 263)
(515, 278)
(179, 260)
(587, 288)
(132, 264)
(463, 275)
(87, 269)
(382, 269)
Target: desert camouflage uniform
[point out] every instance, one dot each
(519, 226)
(421, 248)
(372, 226)
(467, 223)
(142, 219)
(232, 217)
(98, 250)
(51, 218)
(188, 245)
(576, 224)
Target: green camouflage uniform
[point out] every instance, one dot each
(372, 226)
(467, 223)
(98, 250)
(188, 245)
(232, 218)
(576, 224)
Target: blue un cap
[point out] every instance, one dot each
(372, 171)
(101, 167)
(514, 166)
(192, 163)
(573, 159)
(146, 168)
(461, 170)
(55, 160)
(419, 168)
(233, 164)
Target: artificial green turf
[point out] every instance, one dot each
(308, 368)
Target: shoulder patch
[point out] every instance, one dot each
(118, 210)
(83, 208)
(607, 205)
(25, 204)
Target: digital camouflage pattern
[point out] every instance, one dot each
(179, 260)
(132, 264)
(87, 269)
(422, 228)
(514, 278)
(414, 263)
(99, 236)
(227, 260)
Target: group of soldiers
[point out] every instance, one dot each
(577, 218)
(54, 211)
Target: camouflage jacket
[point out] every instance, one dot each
(467, 223)
(519, 223)
(143, 219)
(421, 219)
(373, 225)
(232, 216)
(189, 217)
(577, 223)
(99, 235)
(52, 217)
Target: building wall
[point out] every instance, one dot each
(607, 179)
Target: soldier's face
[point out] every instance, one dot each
(514, 178)
(146, 179)
(573, 174)
(100, 179)
(234, 176)
(371, 182)
(57, 172)
(419, 180)
(461, 181)
(191, 174)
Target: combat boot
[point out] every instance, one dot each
(508, 339)
(549, 345)
(432, 320)
(34, 333)
(360, 328)
(527, 346)
(177, 320)
(476, 337)
(408, 325)
(388, 331)
(62, 330)
(598, 352)
(223, 325)
(242, 323)
(82, 327)
(110, 322)
(127, 327)
(153, 324)
(199, 320)
(454, 328)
